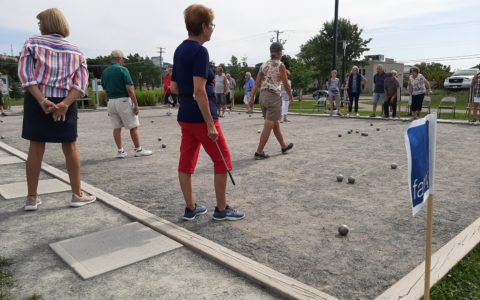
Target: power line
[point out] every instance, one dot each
(278, 40)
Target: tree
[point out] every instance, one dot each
(434, 72)
(301, 75)
(317, 52)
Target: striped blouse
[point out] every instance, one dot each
(54, 64)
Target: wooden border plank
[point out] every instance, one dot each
(275, 281)
(411, 286)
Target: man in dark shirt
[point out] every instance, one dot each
(379, 90)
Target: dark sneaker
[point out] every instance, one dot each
(191, 214)
(260, 156)
(289, 147)
(229, 214)
(372, 116)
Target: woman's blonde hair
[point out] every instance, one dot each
(195, 16)
(53, 21)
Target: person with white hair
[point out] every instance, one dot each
(249, 83)
(379, 89)
(353, 87)
(333, 87)
(391, 90)
(122, 104)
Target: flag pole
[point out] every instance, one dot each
(428, 247)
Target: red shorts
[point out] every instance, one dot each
(196, 134)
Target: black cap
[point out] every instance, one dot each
(276, 47)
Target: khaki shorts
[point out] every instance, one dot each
(271, 104)
(121, 114)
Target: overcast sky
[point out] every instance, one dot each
(407, 30)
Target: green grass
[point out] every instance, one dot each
(462, 282)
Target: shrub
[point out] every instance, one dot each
(148, 98)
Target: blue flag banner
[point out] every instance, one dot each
(420, 142)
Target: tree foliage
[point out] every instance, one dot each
(142, 70)
(317, 52)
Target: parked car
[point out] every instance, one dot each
(460, 79)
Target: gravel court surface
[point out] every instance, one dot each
(293, 203)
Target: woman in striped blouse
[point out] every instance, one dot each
(54, 74)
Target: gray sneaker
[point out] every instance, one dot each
(32, 203)
(85, 199)
(143, 152)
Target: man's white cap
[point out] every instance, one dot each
(117, 53)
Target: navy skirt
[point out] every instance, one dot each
(40, 127)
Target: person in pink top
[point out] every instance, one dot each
(54, 73)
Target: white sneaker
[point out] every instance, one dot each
(121, 154)
(348, 115)
(358, 115)
(32, 203)
(85, 199)
(143, 152)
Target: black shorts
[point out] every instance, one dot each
(40, 127)
(1, 98)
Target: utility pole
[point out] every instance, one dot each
(278, 40)
(161, 50)
(335, 37)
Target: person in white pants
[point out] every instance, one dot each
(285, 101)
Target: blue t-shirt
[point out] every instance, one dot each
(249, 86)
(192, 59)
(379, 81)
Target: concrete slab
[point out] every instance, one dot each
(19, 189)
(4, 153)
(8, 160)
(16, 173)
(179, 274)
(100, 252)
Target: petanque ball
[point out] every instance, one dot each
(339, 135)
(249, 116)
(339, 177)
(351, 179)
(159, 139)
(378, 129)
(164, 146)
(2, 137)
(152, 121)
(349, 132)
(356, 131)
(371, 124)
(258, 131)
(343, 230)
(394, 166)
(364, 134)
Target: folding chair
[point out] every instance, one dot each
(447, 103)
(407, 100)
(321, 102)
(427, 103)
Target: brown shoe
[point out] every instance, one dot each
(85, 199)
